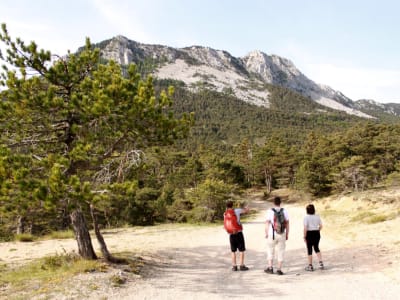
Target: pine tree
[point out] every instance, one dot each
(75, 126)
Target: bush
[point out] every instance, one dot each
(179, 211)
(201, 214)
(5, 235)
(62, 234)
(377, 219)
(25, 237)
(209, 199)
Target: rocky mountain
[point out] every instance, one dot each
(379, 110)
(247, 77)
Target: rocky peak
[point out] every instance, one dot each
(219, 70)
(214, 58)
(119, 49)
(272, 68)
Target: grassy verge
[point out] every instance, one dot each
(49, 274)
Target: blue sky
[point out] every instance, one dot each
(351, 45)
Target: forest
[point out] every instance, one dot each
(83, 139)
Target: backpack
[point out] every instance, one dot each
(279, 224)
(231, 224)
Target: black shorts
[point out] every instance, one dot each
(237, 242)
(313, 237)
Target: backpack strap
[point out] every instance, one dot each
(272, 224)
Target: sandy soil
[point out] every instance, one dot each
(193, 262)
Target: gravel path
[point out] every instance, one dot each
(193, 262)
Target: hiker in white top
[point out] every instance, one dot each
(312, 227)
(276, 240)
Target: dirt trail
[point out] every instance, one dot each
(194, 263)
(201, 269)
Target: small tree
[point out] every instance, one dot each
(80, 124)
(209, 199)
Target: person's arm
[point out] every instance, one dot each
(305, 233)
(267, 224)
(287, 223)
(287, 229)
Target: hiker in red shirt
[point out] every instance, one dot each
(236, 239)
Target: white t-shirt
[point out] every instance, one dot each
(270, 217)
(312, 222)
(238, 212)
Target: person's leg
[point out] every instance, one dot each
(310, 260)
(280, 263)
(319, 255)
(310, 250)
(242, 249)
(309, 257)
(321, 263)
(233, 244)
(270, 254)
(241, 255)
(318, 251)
(281, 245)
(242, 266)
(311, 242)
(233, 259)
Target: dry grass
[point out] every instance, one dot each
(56, 274)
(356, 216)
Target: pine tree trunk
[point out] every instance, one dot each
(268, 181)
(103, 247)
(82, 235)
(20, 225)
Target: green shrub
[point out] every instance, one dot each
(209, 199)
(5, 235)
(362, 216)
(63, 234)
(369, 217)
(376, 219)
(25, 237)
(201, 214)
(117, 280)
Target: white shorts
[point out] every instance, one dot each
(278, 244)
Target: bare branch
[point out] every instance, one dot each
(118, 167)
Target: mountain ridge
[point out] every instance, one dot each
(244, 77)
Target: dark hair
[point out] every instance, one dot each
(310, 209)
(229, 204)
(277, 200)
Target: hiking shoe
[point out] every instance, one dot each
(309, 268)
(243, 268)
(269, 270)
(279, 272)
(234, 268)
(321, 265)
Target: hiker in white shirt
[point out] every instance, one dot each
(312, 236)
(276, 241)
